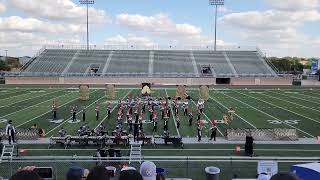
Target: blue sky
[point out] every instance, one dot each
(279, 28)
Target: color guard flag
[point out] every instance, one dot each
(97, 104)
(318, 138)
(213, 121)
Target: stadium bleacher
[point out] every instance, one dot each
(183, 63)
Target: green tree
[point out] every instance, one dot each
(4, 66)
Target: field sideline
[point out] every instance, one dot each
(255, 108)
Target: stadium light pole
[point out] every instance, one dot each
(216, 3)
(87, 2)
(6, 55)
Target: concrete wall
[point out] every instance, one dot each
(248, 81)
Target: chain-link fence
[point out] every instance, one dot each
(175, 167)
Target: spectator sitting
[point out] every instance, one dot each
(76, 173)
(26, 173)
(130, 173)
(148, 170)
(98, 173)
(284, 176)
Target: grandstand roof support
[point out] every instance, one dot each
(216, 3)
(87, 2)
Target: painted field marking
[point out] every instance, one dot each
(282, 108)
(270, 114)
(32, 106)
(234, 113)
(71, 116)
(274, 121)
(174, 119)
(114, 107)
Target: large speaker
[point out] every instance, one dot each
(248, 147)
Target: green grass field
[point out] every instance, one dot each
(255, 108)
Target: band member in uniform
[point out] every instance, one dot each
(190, 117)
(166, 118)
(62, 132)
(136, 131)
(162, 109)
(151, 112)
(178, 121)
(155, 123)
(143, 107)
(73, 112)
(130, 122)
(97, 111)
(169, 109)
(199, 129)
(84, 114)
(185, 107)
(54, 108)
(213, 130)
(10, 131)
(200, 105)
(109, 110)
(140, 121)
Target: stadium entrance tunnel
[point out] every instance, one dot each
(223, 81)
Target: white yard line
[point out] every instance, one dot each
(284, 94)
(71, 116)
(46, 112)
(267, 114)
(291, 102)
(208, 120)
(174, 119)
(32, 106)
(279, 107)
(112, 109)
(16, 96)
(31, 98)
(314, 97)
(234, 113)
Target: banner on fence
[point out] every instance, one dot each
(239, 134)
(21, 133)
(314, 65)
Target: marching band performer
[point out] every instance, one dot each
(185, 107)
(62, 132)
(84, 114)
(199, 129)
(166, 118)
(73, 112)
(200, 105)
(130, 122)
(213, 130)
(140, 121)
(151, 112)
(54, 108)
(97, 111)
(178, 121)
(108, 109)
(190, 115)
(155, 123)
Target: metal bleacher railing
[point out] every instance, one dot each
(191, 167)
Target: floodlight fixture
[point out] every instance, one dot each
(216, 3)
(87, 2)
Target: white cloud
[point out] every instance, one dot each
(130, 39)
(293, 5)
(16, 23)
(276, 30)
(2, 8)
(159, 24)
(60, 10)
